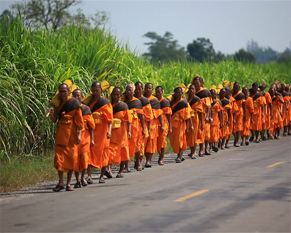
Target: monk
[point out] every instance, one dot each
(166, 115)
(121, 131)
(196, 113)
(180, 123)
(217, 123)
(68, 135)
(226, 106)
(148, 116)
(137, 126)
(157, 119)
(249, 119)
(232, 121)
(103, 117)
(268, 111)
(258, 101)
(276, 120)
(86, 141)
(204, 95)
(285, 108)
(240, 116)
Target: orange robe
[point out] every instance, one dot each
(289, 112)
(264, 117)
(215, 124)
(69, 122)
(181, 112)
(119, 150)
(285, 117)
(234, 109)
(239, 117)
(204, 95)
(102, 115)
(152, 142)
(224, 132)
(276, 120)
(148, 116)
(135, 108)
(84, 146)
(268, 116)
(196, 108)
(162, 138)
(258, 102)
(247, 123)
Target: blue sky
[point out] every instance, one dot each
(228, 24)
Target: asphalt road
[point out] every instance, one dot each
(230, 191)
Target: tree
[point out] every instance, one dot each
(6, 18)
(285, 56)
(201, 49)
(244, 56)
(54, 13)
(163, 48)
(263, 55)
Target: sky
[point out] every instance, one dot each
(228, 24)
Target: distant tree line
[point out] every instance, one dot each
(165, 48)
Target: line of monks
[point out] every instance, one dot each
(136, 123)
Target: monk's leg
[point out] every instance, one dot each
(121, 167)
(78, 183)
(236, 139)
(263, 135)
(69, 178)
(278, 133)
(252, 137)
(201, 150)
(101, 178)
(289, 129)
(137, 165)
(222, 146)
(207, 152)
(161, 157)
(83, 181)
(89, 171)
(226, 141)
(285, 130)
(257, 132)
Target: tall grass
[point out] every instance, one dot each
(34, 62)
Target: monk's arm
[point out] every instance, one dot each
(271, 109)
(141, 118)
(53, 115)
(187, 126)
(149, 127)
(129, 130)
(79, 136)
(191, 124)
(252, 117)
(161, 122)
(245, 110)
(169, 117)
(234, 115)
(109, 130)
(200, 115)
(220, 114)
(229, 114)
(262, 108)
(91, 136)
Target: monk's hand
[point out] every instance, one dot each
(192, 128)
(149, 130)
(271, 114)
(92, 143)
(245, 118)
(78, 139)
(143, 133)
(262, 114)
(187, 130)
(202, 127)
(108, 135)
(252, 120)
(170, 131)
(51, 111)
(221, 125)
(234, 122)
(228, 122)
(129, 135)
(162, 128)
(207, 120)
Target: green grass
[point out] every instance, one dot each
(24, 171)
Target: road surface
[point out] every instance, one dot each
(245, 189)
